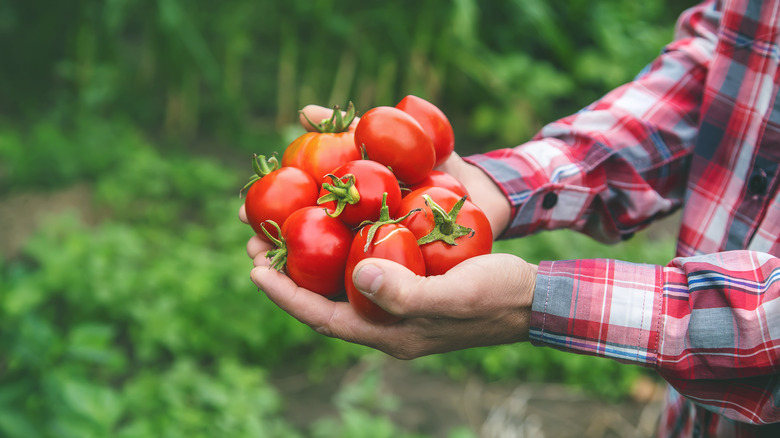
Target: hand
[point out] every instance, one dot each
(484, 192)
(483, 301)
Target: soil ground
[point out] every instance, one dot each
(434, 405)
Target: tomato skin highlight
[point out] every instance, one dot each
(372, 181)
(439, 256)
(433, 122)
(392, 137)
(317, 249)
(319, 153)
(437, 178)
(391, 242)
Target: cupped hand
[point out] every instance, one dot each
(256, 248)
(483, 301)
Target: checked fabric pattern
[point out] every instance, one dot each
(698, 129)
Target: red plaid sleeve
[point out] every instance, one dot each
(710, 325)
(611, 168)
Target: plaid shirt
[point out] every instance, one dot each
(699, 128)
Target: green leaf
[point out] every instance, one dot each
(14, 424)
(99, 405)
(92, 342)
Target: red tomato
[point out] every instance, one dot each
(275, 194)
(313, 250)
(434, 122)
(393, 138)
(463, 233)
(332, 145)
(355, 195)
(391, 241)
(437, 178)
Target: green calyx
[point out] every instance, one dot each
(342, 191)
(384, 219)
(445, 227)
(337, 122)
(363, 153)
(262, 167)
(277, 255)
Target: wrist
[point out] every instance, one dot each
(526, 294)
(487, 195)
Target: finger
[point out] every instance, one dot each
(330, 318)
(317, 114)
(478, 286)
(307, 307)
(242, 214)
(261, 260)
(257, 246)
(395, 288)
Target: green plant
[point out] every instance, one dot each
(364, 405)
(109, 333)
(192, 70)
(145, 324)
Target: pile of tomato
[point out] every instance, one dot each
(346, 192)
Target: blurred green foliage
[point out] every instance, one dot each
(145, 324)
(235, 69)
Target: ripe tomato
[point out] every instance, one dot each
(332, 145)
(276, 193)
(384, 239)
(452, 229)
(355, 194)
(393, 138)
(313, 250)
(437, 178)
(434, 122)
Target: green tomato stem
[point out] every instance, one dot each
(337, 122)
(342, 191)
(384, 219)
(262, 167)
(277, 255)
(445, 228)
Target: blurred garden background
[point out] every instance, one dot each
(126, 131)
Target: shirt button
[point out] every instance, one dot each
(757, 183)
(549, 201)
(696, 430)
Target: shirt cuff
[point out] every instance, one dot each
(539, 201)
(599, 307)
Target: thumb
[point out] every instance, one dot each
(403, 293)
(390, 285)
(479, 285)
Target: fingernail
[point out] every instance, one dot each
(368, 279)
